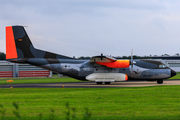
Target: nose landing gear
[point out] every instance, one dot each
(159, 81)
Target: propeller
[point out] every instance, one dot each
(132, 63)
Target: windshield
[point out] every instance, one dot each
(162, 66)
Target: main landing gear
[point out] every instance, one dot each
(159, 81)
(107, 82)
(99, 83)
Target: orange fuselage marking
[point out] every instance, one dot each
(10, 44)
(116, 64)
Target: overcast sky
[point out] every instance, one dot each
(91, 27)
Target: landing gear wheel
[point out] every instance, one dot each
(160, 81)
(107, 82)
(99, 83)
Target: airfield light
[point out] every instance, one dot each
(9, 80)
(12, 88)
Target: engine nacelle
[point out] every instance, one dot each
(116, 64)
(107, 77)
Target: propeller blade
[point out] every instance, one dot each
(101, 56)
(132, 62)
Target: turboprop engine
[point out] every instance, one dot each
(116, 64)
(107, 77)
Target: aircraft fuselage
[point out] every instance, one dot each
(79, 69)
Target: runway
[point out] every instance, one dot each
(91, 84)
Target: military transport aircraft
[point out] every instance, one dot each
(100, 69)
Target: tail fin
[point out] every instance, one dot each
(18, 45)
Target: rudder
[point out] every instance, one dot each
(11, 51)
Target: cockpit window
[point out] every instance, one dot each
(162, 66)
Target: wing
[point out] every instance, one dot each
(110, 62)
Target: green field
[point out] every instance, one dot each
(176, 77)
(38, 80)
(159, 102)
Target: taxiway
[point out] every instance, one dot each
(91, 84)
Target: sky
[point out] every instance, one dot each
(91, 27)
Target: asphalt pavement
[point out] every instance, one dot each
(91, 84)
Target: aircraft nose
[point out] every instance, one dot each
(173, 73)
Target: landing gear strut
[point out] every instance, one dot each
(160, 81)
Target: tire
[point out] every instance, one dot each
(99, 83)
(107, 82)
(159, 81)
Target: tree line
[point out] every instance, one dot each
(2, 56)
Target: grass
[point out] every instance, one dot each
(176, 77)
(157, 102)
(37, 80)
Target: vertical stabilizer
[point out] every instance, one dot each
(18, 45)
